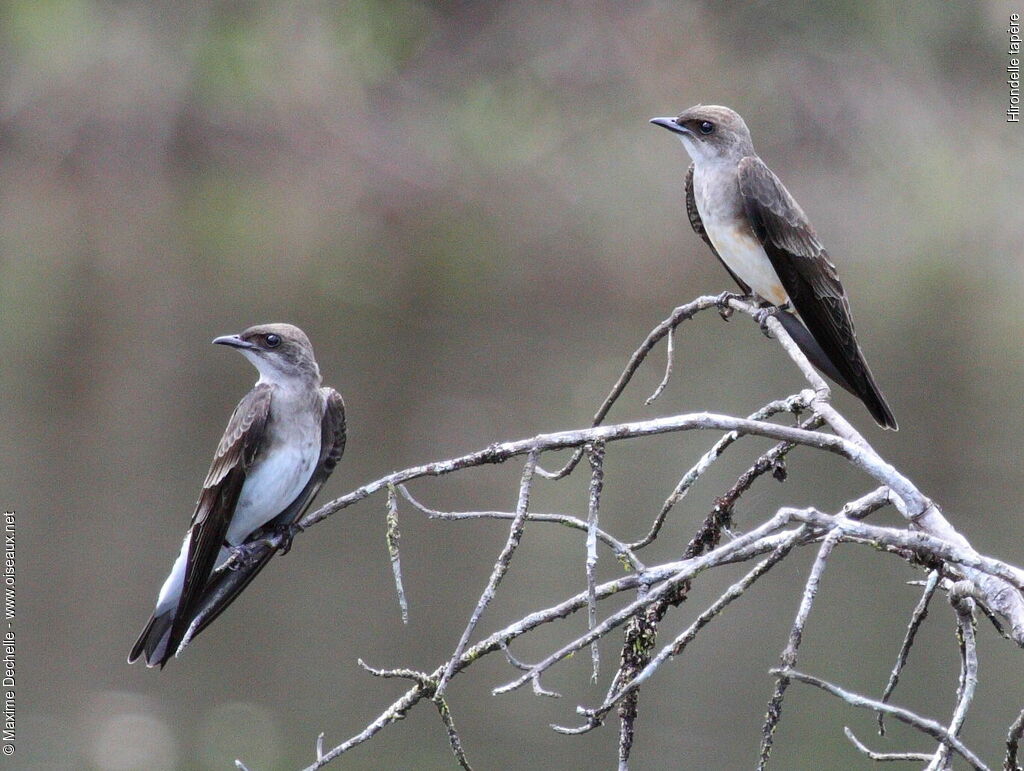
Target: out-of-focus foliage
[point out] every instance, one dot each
(463, 205)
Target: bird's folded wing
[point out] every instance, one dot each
(801, 262)
(217, 502)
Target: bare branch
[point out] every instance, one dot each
(925, 725)
(500, 568)
(964, 607)
(916, 619)
(792, 404)
(679, 643)
(788, 657)
(538, 688)
(396, 711)
(596, 455)
(622, 551)
(913, 541)
(1013, 743)
(320, 746)
(393, 536)
(453, 735)
(685, 571)
(884, 756)
(679, 315)
(927, 540)
(669, 355)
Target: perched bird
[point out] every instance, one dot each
(282, 442)
(764, 239)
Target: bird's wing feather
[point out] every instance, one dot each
(809, 277)
(217, 501)
(698, 227)
(227, 584)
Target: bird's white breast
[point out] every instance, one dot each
(271, 486)
(280, 474)
(727, 228)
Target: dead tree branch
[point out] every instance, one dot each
(926, 542)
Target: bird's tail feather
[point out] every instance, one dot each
(153, 641)
(867, 390)
(811, 349)
(876, 404)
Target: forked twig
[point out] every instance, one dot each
(925, 725)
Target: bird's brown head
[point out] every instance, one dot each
(281, 352)
(710, 133)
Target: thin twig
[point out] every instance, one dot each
(320, 746)
(669, 355)
(393, 536)
(687, 570)
(622, 551)
(421, 678)
(916, 619)
(397, 710)
(500, 568)
(791, 404)
(964, 607)
(1013, 736)
(678, 316)
(453, 735)
(426, 683)
(789, 654)
(884, 756)
(596, 456)
(679, 643)
(538, 687)
(930, 727)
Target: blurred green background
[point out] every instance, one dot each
(465, 208)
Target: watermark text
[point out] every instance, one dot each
(8, 640)
(1013, 69)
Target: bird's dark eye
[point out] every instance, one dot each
(272, 340)
(706, 127)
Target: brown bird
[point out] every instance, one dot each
(282, 442)
(766, 243)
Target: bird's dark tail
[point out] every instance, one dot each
(876, 404)
(153, 641)
(865, 389)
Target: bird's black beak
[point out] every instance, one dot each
(670, 124)
(233, 340)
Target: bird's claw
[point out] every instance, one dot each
(722, 303)
(248, 553)
(243, 556)
(287, 534)
(761, 316)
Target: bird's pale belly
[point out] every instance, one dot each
(747, 259)
(269, 488)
